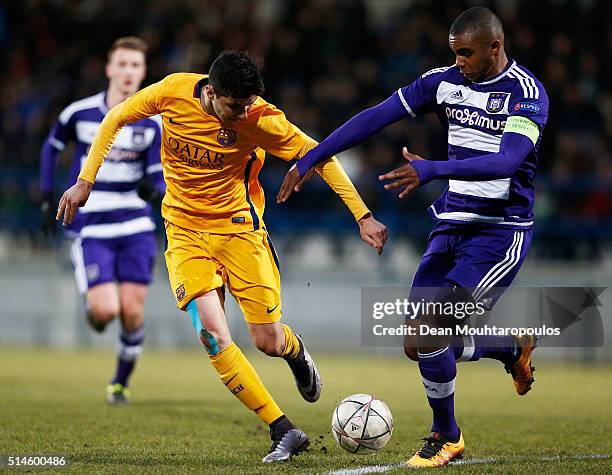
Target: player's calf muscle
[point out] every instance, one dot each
(268, 338)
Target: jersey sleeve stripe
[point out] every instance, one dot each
(526, 90)
(435, 70)
(406, 106)
(57, 143)
(527, 82)
(530, 81)
(522, 76)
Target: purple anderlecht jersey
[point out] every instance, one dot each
(113, 208)
(474, 115)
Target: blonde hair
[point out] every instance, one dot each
(128, 42)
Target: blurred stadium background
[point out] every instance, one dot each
(324, 61)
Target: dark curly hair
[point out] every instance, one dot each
(235, 74)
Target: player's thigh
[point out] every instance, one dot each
(132, 297)
(94, 262)
(488, 260)
(135, 258)
(192, 270)
(437, 261)
(253, 275)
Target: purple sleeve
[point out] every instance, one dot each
(62, 132)
(354, 131)
(416, 99)
(153, 162)
(49, 156)
(531, 101)
(513, 149)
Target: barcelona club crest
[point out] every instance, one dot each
(180, 292)
(227, 137)
(496, 101)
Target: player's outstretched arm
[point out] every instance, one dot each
(513, 149)
(353, 132)
(371, 231)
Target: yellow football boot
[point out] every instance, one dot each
(437, 451)
(521, 370)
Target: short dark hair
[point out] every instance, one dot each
(479, 21)
(128, 42)
(235, 74)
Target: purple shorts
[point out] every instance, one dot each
(483, 260)
(125, 259)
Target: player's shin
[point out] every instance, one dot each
(235, 371)
(130, 348)
(438, 371)
(241, 379)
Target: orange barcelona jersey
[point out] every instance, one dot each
(211, 167)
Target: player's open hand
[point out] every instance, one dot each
(405, 175)
(73, 198)
(373, 232)
(292, 182)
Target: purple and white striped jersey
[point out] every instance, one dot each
(113, 208)
(474, 115)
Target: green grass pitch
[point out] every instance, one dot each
(182, 419)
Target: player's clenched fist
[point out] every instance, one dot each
(73, 198)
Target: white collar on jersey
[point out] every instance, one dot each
(507, 69)
(102, 105)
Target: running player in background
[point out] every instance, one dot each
(114, 246)
(495, 112)
(216, 133)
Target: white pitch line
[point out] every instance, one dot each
(364, 470)
(545, 458)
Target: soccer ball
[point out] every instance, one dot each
(362, 424)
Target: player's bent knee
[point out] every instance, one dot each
(411, 345)
(132, 322)
(213, 340)
(102, 314)
(411, 352)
